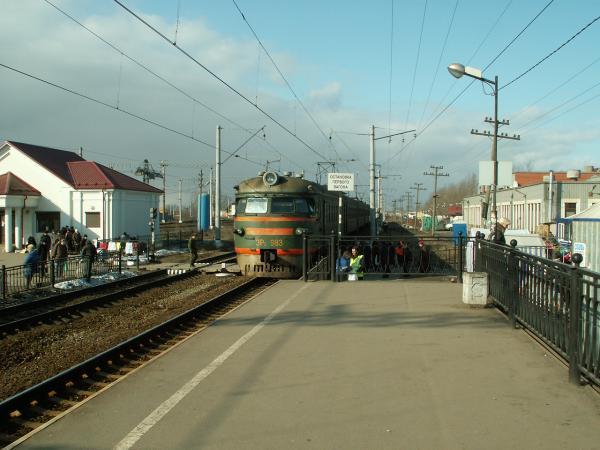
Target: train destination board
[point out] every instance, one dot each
(343, 182)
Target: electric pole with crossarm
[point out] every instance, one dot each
(417, 187)
(435, 174)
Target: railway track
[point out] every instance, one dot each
(46, 402)
(75, 303)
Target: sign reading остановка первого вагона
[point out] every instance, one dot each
(343, 182)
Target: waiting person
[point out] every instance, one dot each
(44, 253)
(31, 241)
(423, 257)
(343, 262)
(84, 240)
(77, 241)
(357, 263)
(59, 256)
(497, 231)
(31, 264)
(89, 254)
(193, 249)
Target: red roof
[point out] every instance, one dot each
(80, 173)
(529, 178)
(10, 184)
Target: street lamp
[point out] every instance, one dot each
(458, 70)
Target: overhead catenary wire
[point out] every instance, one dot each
(551, 53)
(437, 68)
(121, 110)
(483, 41)
(438, 115)
(553, 90)
(217, 77)
(412, 88)
(282, 76)
(517, 36)
(163, 79)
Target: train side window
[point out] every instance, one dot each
(304, 206)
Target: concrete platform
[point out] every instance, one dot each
(383, 364)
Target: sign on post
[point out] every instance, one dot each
(342, 182)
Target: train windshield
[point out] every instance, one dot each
(279, 205)
(255, 206)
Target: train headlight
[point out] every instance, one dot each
(301, 230)
(239, 231)
(270, 178)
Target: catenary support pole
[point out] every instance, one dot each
(372, 181)
(218, 186)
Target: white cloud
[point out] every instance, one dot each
(328, 96)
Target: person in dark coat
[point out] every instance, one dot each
(31, 264)
(423, 257)
(89, 253)
(193, 249)
(59, 256)
(31, 241)
(497, 231)
(43, 253)
(77, 241)
(84, 240)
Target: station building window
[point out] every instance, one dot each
(92, 219)
(49, 219)
(570, 208)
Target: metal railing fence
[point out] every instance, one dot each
(16, 280)
(385, 256)
(559, 303)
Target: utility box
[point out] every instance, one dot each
(475, 289)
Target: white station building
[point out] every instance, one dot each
(43, 188)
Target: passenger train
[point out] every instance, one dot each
(273, 211)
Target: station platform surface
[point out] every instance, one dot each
(398, 364)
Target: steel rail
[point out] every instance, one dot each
(62, 386)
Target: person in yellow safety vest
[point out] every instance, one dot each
(357, 263)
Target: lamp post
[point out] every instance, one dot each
(458, 70)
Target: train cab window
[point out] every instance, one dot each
(256, 206)
(240, 206)
(282, 205)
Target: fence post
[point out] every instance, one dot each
(120, 259)
(3, 285)
(304, 257)
(513, 275)
(52, 274)
(332, 256)
(575, 321)
(137, 258)
(179, 239)
(461, 262)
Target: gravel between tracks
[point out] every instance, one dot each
(32, 356)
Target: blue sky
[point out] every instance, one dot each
(336, 56)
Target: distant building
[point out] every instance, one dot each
(43, 188)
(530, 205)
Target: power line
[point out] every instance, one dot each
(124, 111)
(518, 35)
(438, 63)
(282, 75)
(552, 91)
(214, 75)
(551, 53)
(161, 78)
(461, 92)
(391, 69)
(412, 89)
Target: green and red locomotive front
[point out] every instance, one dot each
(272, 213)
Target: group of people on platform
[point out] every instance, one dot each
(383, 257)
(56, 251)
